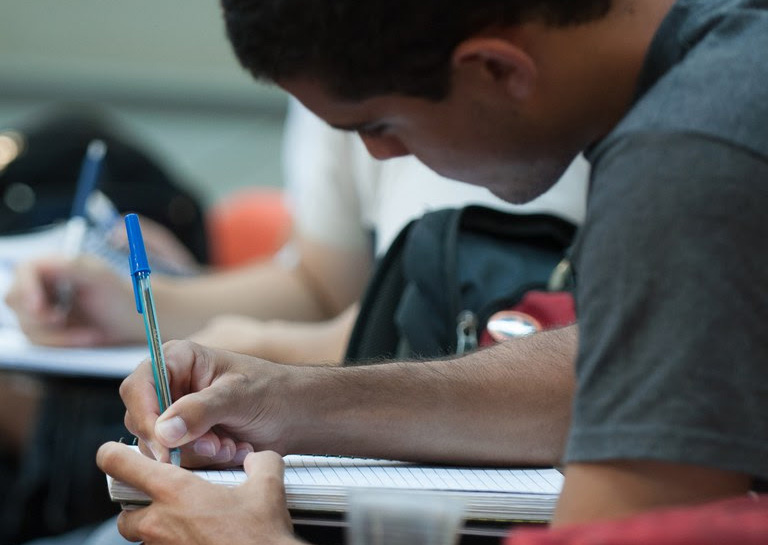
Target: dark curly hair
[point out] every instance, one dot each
(361, 48)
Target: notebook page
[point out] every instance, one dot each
(322, 484)
(342, 472)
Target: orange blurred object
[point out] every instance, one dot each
(248, 225)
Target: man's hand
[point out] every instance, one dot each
(187, 510)
(103, 310)
(226, 403)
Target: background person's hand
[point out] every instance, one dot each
(186, 509)
(102, 311)
(237, 333)
(226, 405)
(159, 242)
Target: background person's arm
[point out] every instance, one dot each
(281, 341)
(325, 281)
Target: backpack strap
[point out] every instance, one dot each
(375, 335)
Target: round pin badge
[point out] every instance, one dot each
(509, 324)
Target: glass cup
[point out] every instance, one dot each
(395, 517)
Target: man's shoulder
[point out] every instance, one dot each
(708, 77)
(664, 186)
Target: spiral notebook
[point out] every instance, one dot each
(321, 484)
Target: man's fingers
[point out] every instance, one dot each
(192, 416)
(265, 472)
(212, 393)
(128, 523)
(146, 451)
(264, 463)
(202, 391)
(131, 467)
(140, 398)
(189, 419)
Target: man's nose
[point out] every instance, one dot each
(384, 147)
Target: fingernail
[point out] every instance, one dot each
(203, 447)
(240, 455)
(171, 430)
(224, 455)
(154, 450)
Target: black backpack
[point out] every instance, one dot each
(446, 274)
(37, 187)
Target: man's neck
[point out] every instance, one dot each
(623, 44)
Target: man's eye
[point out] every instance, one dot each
(372, 131)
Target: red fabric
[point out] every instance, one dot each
(550, 308)
(738, 521)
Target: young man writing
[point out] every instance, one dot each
(670, 101)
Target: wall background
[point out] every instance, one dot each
(163, 67)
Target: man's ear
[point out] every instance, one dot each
(500, 60)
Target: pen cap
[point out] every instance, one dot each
(138, 255)
(137, 258)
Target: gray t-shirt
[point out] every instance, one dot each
(672, 267)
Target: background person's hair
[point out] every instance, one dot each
(361, 48)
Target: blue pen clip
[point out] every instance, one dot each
(137, 259)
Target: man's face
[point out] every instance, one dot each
(466, 136)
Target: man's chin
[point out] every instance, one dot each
(516, 185)
(518, 193)
(524, 185)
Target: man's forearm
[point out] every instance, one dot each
(506, 404)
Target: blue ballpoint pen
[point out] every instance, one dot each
(145, 304)
(76, 226)
(86, 184)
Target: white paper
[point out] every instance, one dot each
(17, 353)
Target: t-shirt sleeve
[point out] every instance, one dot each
(672, 298)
